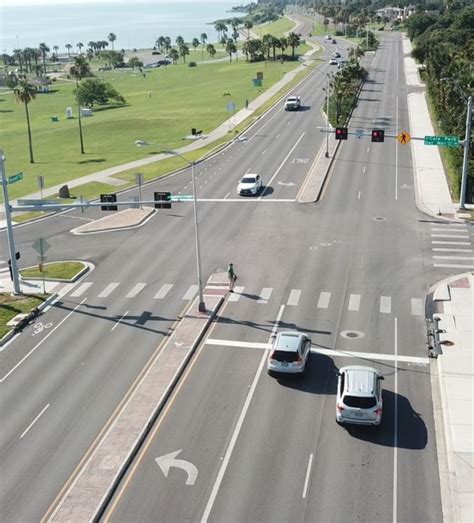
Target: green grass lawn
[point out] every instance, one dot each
(163, 106)
(10, 306)
(54, 270)
(277, 28)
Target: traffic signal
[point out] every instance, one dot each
(341, 133)
(162, 200)
(378, 135)
(108, 198)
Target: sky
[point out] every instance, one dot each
(44, 2)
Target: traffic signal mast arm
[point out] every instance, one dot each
(364, 132)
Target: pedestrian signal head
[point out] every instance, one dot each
(378, 135)
(341, 133)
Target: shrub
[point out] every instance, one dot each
(192, 64)
(155, 52)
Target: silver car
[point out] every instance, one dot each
(289, 353)
(359, 396)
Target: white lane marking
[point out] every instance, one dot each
(363, 171)
(165, 288)
(81, 289)
(358, 196)
(277, 136)
(354, 302)
(264, 151)
(108, 290)
(235, 296)
(416, 307)
(395, 429)
(238, 427)
(117, 323)
(136, 290)
(190, 292)
(323, 302)
(308, 472)
(34, 421)
(326, 352)
(453, 266)
(442, 249)
(227, 195)
(437, 235)
(39, 343)
(446, 229)
(396, 150)
(385, 304)
(258, 131)
(265, 295)
(454, 257)
(368, 149)
(441, 242)
(282, 163)
(294, 297)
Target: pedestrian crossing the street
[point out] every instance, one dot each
(451, 245)
(322, 300)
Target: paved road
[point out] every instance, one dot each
(350, 272)
(102, 333)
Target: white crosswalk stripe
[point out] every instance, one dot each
(235, 296)
(324, 298)
(442, 249)
(190, 292)
(443, 242)
(81, 289)
(108, 290)
(385, 304)
(165, 288)
(416, 307)
(294, 297)
(265, 295)
(469, 258)
(135, 290)
(354, 302)
(450, 235)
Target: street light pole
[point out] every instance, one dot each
(140, 143)
(11, 239)
(327, 116)
(467, 146)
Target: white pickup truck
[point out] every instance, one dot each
(292, 103)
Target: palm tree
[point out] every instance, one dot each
(183, 51)
(293, 41)
(220, 27)
(25, 93)
(44, 49)
(68, 47)
(211, 50)
(111, 38)
(179, 41)
(230, 48)
(283, 45)
(267, 44)
(275, 43)
(203, 41)
(248, 25)
(195, 43)
(18, 57)
(167, 43)
(80, 45)
(79, 70)
(160, 43)
(174, 54)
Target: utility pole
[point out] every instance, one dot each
(467, 146)
(11, 240)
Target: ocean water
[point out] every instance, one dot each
(136, 24)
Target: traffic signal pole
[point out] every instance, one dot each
(8, 218)
(467, 146)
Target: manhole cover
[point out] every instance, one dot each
(352, 334)
(378, 218)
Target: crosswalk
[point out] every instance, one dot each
(322, 300)
(451, 245)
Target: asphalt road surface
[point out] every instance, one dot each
(352, 271)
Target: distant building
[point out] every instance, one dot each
(395, 13)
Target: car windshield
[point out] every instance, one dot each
(247, 179)
(284, 355)
(360, 402)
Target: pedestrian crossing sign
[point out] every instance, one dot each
(404, 137)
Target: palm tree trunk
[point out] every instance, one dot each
(81, 139)
(30, 141)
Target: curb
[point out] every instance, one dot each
(115, 229)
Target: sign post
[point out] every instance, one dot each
(139, 182)
(41, 246)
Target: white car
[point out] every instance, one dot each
(359, 396)
(249, 185)
(328, 37)
(289, 353)
(333, 61)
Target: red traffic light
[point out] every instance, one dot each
(341, 133)
(378, 135)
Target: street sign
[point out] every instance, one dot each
(360, 133)
(404, 137)
(15, 178)
(41, 182)
(181, 197)
(38, 202)
(230, 107)
(446, 141)
(138, 178)
(41, 246)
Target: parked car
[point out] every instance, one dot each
(359, 396)
(328, 37)
(151, 65)
(334, 41)
(333, 61)
(249, 185)
(341, 64)
(336, 54)
(289, 353)
(165, 61)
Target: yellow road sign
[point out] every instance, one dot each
(404, 137)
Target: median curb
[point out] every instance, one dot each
(90, 490)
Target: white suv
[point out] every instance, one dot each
(359, 396)
(289, 353)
